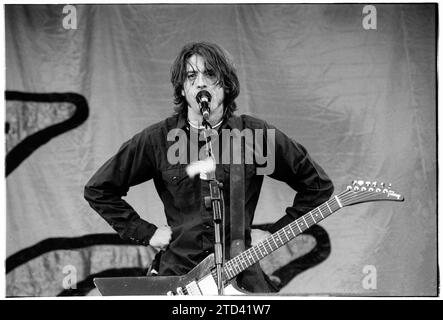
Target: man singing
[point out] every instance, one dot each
(189, 236)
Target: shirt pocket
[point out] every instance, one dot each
(184, 191)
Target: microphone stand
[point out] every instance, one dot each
(215, 201)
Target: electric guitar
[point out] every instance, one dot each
(202, 280)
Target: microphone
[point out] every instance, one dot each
(203, 98)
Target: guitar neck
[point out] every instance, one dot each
(254, 254)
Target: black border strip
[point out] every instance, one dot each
(26, 147)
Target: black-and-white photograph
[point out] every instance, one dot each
(236, 149)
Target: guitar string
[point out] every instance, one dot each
(238, 259)
(266, 243)
(344, 196)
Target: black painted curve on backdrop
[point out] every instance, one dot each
(314, 257)
(85, 286)
(52, 244)
(26, 147)
(286, 273)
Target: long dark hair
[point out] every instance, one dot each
(217, 60)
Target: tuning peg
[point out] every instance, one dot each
(354, 182)
(361, 182)
(374, 184)
(382, 184)
(368, 183)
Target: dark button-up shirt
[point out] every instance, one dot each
(145, 157)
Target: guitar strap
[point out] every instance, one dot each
(237, 200)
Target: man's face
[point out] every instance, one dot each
(199, 78)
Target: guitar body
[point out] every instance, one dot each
(199, 281)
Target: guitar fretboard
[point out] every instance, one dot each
(251, 256)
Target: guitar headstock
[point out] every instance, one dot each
(364, 191)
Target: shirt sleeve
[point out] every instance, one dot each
(294, 166)
(131, 165)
